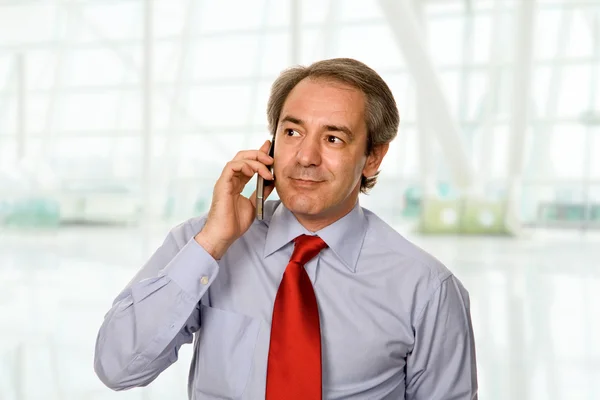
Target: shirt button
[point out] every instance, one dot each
(204, 280)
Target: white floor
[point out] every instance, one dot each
(535, 306)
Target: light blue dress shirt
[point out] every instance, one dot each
(395, 322)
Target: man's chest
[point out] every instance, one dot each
(365, 339)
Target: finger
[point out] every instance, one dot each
(258, 155)
(249, 168)
(265, 146)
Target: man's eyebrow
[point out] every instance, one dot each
(329, 127)
(293, 120)
(340, 128)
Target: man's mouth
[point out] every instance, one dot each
(305, 182)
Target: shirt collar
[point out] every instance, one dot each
(344, 237)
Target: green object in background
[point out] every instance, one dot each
(413, 198)
(575, 212)
(440, 216)
(412, 202)
(483, 217)
(595, 213)
(462, 216)
(30, 212)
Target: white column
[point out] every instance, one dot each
(519, 377)
(424, 133)
(408, 35)
(21, 104)
(295, 32)
(490, 109)
(521, 108)
(66, 27)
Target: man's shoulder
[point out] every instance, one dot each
(401, 252)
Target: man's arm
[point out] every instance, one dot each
(442, 364)
(156, 313)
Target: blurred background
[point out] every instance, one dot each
(117, 117)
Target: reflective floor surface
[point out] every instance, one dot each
(535, 307)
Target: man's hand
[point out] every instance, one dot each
(231, 214)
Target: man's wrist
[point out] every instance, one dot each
(211, 246)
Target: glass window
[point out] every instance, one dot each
(8, 116)
(549, 23)
(115, 20)
(408, 141)
(450, 81)
(498, 152)
(220, 105)
(479, 97)
(211, 79)
(446, 40)
(358, 10)
(99, 66)
(391, 164)
(275, 55)
(483, 25)
(541, 88)
(372, 44)
(86, 111)
(8, 151)
(224, 57)
(566, 149)
(581, 42)
(594, 152)
(574, 94)
(27, 23)
(231, 15)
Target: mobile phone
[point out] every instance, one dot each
(261, 183)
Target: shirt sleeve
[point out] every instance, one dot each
(442, 365)
(156, 313)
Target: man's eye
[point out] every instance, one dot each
(291, 132)
(332, 139)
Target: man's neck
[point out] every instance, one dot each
(315, 223)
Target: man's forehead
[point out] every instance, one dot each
(328, 98)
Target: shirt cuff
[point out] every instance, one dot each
(193, 269)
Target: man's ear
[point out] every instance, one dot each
(374, 159)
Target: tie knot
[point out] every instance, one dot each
(306, 247)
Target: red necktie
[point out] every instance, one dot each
(294, 365)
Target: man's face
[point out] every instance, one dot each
(320, 150)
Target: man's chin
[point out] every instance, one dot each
(302, 204)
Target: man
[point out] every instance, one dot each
(321, 298)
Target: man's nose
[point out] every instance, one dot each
(309, 152)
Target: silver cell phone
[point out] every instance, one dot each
(261, 183)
